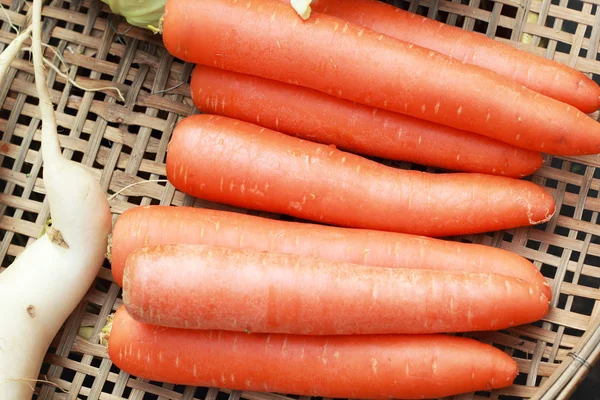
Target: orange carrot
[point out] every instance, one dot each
(267, 38)
(315, 116)
(232, 162)
(542, 75)
(213, 287)
(374, 367)
(155, 225)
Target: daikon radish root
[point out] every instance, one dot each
(154, 225)
(373, 367)
(316, 116)
(41, 288)
(214, 287)
(8, 55)
(241, 164)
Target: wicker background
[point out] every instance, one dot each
(125, 142)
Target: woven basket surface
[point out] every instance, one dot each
(125, 142)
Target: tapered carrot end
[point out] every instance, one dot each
(585, 96)
(531, 161)
(593, 104)
(544, 306)
(541, 284)
(506, 371)
(546, 289)
(589, 96)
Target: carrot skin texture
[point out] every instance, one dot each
(374, 367)
(333, 56)
(540, 74)
(158, 225)
(315, 116)
(212, 287)
(237, 163)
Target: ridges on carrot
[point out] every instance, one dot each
(155, 225)
(349, 61)
(241, 164)
(315, 116)
(215, 287)
(545, 76)
(375, 367)
(48, 280)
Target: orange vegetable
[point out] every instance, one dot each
(241, 164)
(316, 116)
(542, 75)
(267, 38)
(214, 287)
(155, 225)
(374, 367)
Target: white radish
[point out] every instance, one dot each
(11, 52)
(49, 279)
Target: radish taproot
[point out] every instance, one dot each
(374, 367)
(8, 55)
(318, 117)
(267, 38)
(214, 287)
(42, 287)
(241, 164)
(154, 225)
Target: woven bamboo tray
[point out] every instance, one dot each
(125, 142)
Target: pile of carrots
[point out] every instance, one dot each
(361, 296)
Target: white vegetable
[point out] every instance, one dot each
(11, 51)
(302, 7)
(49, 279)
